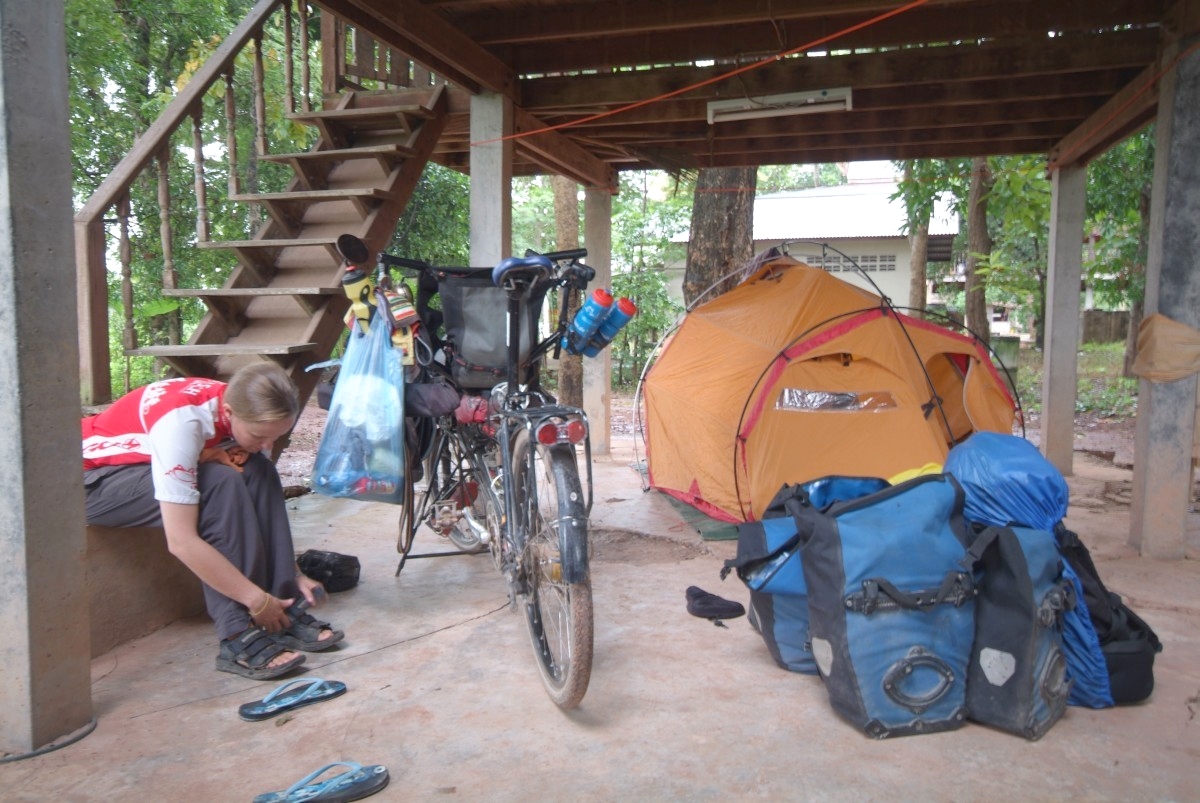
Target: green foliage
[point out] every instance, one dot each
(435, 225)
(650, 213)
(1118, 196)
(782, 178)
(1019, 224)
(533, 215)
(1100, 387)
(925, 181)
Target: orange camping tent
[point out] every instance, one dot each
(795, 374)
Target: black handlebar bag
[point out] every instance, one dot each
(891, 608)
(475, 316)
(1017, 680)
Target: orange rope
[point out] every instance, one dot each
(709, 81)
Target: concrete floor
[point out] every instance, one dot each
(444, 692)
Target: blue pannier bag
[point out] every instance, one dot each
(891, 608)
(1008, 481)
(768, 562)
(1017, 680)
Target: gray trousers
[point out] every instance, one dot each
(241, 514)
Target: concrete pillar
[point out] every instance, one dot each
(597, 371)
(1166, 420)
(491, 179)
(45, 686)
(1068, 193)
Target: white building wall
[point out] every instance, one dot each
(886, 260)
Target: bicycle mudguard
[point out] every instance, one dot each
(573, 549)
(573, 545)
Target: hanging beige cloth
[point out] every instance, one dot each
(1167, 350)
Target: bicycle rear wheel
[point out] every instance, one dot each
(558, 610)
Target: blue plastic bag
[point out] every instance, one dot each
(361, 455)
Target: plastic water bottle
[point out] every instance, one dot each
(338, 483)
(374, 485)
(587, 320)
(621, 314)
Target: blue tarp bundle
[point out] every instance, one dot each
(1007, 481)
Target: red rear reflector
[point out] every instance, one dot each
(573, 430)
(547, 434)
(576, 430)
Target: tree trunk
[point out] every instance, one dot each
(918, 259)
(979, 246)
(722, 236)
(566, 229)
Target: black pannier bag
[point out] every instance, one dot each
(475, 316)
(1017, 680)
(1127, 642)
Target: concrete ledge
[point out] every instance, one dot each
(135, 586)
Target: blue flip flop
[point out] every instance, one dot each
(355, 783)
(290, 695)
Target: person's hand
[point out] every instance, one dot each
(271, 613)
(312, 590)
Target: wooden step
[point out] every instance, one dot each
(230, 302)
(258, 256)
(288, 208)
(220, 350)
(339, 126)
(201, 360)
(312, 167)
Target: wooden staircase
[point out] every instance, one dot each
(283, 299)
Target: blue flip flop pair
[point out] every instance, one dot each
(354, 783)
(293, 694)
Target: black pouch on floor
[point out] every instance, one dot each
(1016, 680)
(336, 572)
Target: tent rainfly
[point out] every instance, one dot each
(795, 374)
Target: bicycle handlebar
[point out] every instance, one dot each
(571, 254)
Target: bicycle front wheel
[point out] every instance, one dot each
(558, 604)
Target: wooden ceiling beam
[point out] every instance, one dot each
(747, 42)
(559, 155)
(1123, 113)
(896, 69)
(412, 28)
(665, 19)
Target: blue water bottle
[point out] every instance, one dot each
(587, 320)
(622, 313)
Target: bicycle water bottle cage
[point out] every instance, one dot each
(515, 269)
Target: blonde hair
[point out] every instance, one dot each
(262, 392)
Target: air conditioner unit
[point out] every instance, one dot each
(748, 108)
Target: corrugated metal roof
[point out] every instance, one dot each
(845, 211)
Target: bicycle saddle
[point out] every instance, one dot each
(533, 267)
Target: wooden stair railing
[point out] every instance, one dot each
(356, 178)
(283, 300)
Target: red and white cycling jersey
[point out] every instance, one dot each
(166, 424)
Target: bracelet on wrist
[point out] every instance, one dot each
(266, 601)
